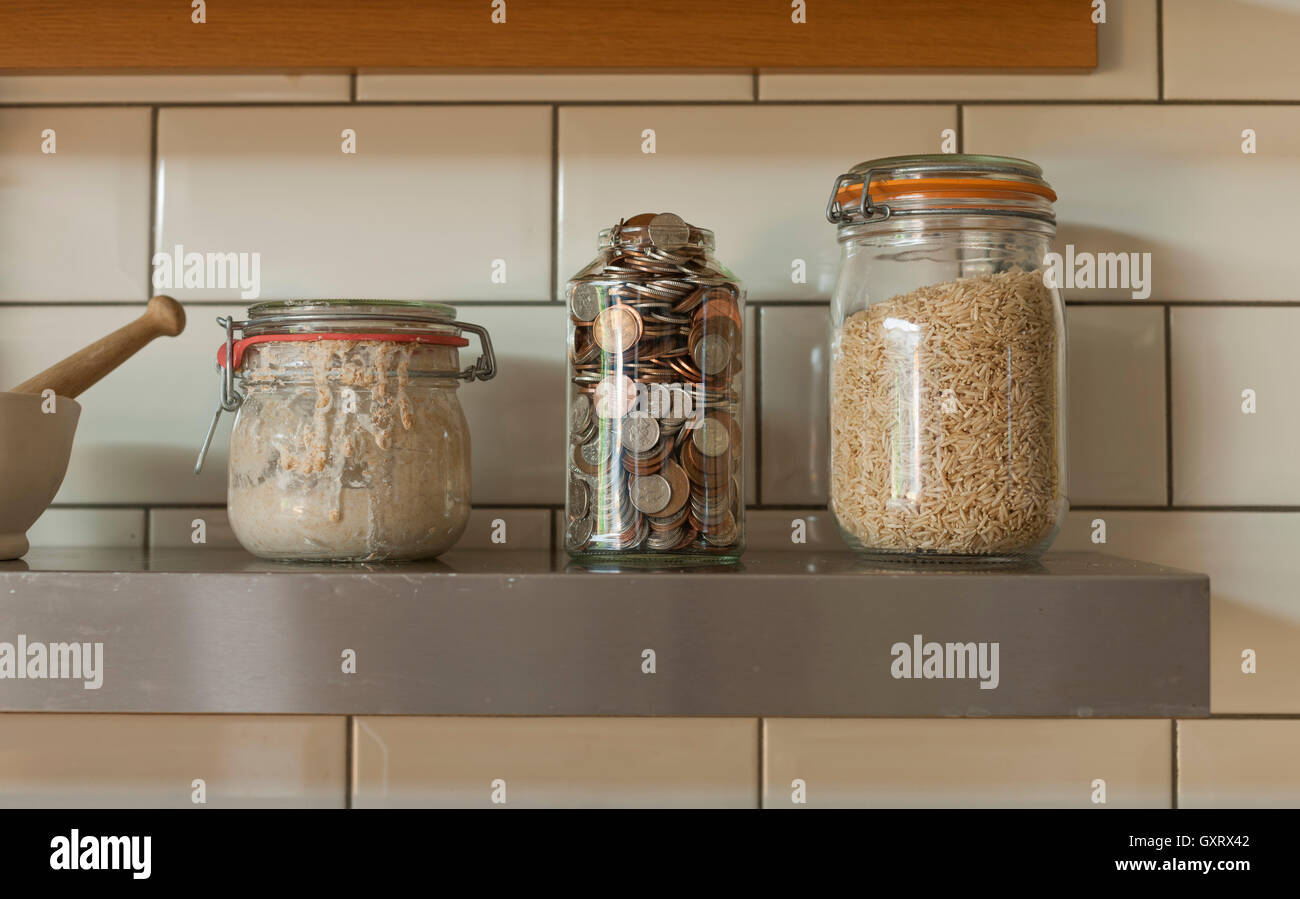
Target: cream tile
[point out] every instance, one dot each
(158, 88)
(795, 414)
(1223, 455)
(141, 426)
(750, 404)
(432, 199)
(177, 528)
(74, 224)
(1231, 50)
(151, 761)
(89, 527)
(524, 529)
(517, 421)
(556, 86)
(1126, 70)
(966, 763)
(1168, 180)
(757, 176)
(776, 530)
(1253, 568)
(1238, 764)
(556, 762)
(1116, 396)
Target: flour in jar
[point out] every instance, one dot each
(344, 451)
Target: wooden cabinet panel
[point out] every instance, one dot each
(36, 35)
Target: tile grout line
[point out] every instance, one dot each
(756, 85)
(1160, 50)
(352, 87)
(1173, 765)
(151, 241)
(1169, 409)
(961, 128)
(349, 754)
(748, 102)
(555, 203)
(762, 758)
(758, 406)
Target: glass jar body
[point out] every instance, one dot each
(655, 448)
(947, 390)
(348, 451)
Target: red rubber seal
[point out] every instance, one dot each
(240, 345)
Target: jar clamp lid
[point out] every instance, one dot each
(940, 184)
(315, 320)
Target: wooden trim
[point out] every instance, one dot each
(73, 35)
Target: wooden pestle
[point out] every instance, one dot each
(75, 374)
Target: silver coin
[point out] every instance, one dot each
(668, 231)
(579, 415)
(579, 498)
(712, 437)
(650, 494)
(712, 354)
(597, 452)
(579, 532)
(640, 434)
(586, 301)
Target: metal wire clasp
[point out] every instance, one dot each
(229, 398)
(836, 214)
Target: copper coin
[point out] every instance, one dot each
(617, 329)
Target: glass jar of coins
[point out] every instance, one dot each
(656, 349)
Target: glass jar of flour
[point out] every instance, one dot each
(349, 442)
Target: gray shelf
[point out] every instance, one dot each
(520, 633)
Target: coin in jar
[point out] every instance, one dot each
(680, 487)
(580, 414)
(650, 494)
(615, 396)
(712, 353)
(585, 302)
(617, 329)
(640, 433)
(579, 498)
(725, 534)
(669, 231)
(579, 532)
(712, 437)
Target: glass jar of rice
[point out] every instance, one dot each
(947, 376)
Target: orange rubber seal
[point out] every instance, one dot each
(944, 189)
(241, 345)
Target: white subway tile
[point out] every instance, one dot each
(517, 421)
(141, 426)
(1171, 181)
(966, 763)
(435, 203)
(1116, 395)
(555, 762)
(1224, 455)
(645, 86)
(159, 88)
(1126, 70)
(177, 528)
(1253, 567)
(1231, 50)
(756, 176)
(795, 414)
(1238, 764)
(777, 530)
(152, 761)
(74, 223)
(88, 527)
